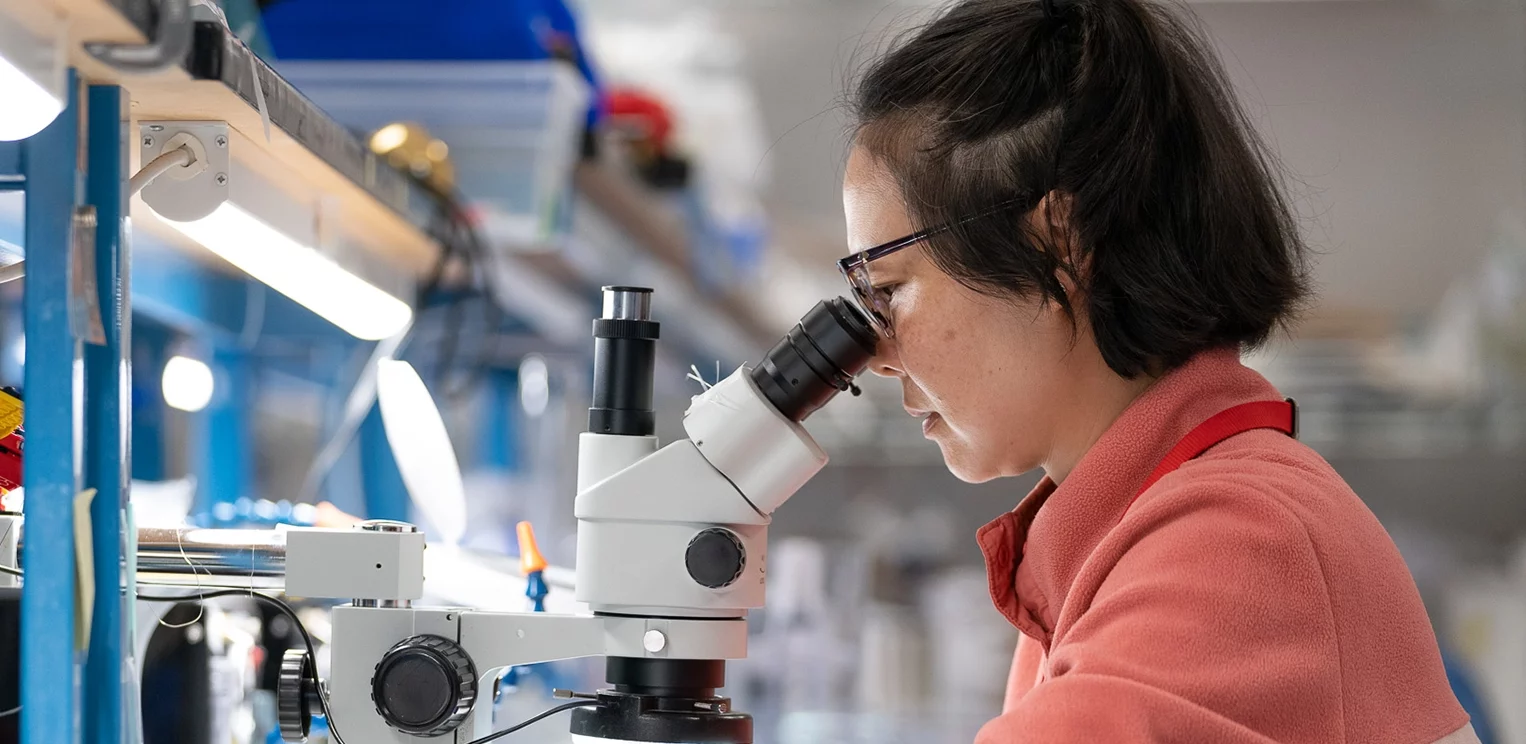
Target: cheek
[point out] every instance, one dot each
(956, 346)
(993, 369)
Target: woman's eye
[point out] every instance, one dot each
(885, 292)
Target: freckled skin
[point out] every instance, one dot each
(1014, 384)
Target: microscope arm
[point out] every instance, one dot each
(488, 642)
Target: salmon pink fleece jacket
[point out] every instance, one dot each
(1248, 597)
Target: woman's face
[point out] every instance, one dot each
(992, 378)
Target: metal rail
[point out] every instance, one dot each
(212, 552)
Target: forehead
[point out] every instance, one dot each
(872, 203)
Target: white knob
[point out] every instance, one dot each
(654, 641)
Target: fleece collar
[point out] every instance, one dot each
(1034, 552)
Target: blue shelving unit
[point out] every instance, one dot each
(71, 389)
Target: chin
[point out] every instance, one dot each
(972, 466)
(965, 467)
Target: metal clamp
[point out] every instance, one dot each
(191, 193)
(169, 45)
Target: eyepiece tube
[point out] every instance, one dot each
(817, 359)
(624, 362)
(627, 303)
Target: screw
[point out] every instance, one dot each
(222, 179)
(156, 127)
(221, 141)
(148, 141)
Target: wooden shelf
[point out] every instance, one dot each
(628, 204)
(307, 154)
(312, 158)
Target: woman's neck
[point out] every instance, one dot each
(1084, 423)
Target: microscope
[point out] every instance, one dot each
(671, 554)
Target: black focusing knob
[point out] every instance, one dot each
(295, 692)
(425, 686)
(715, 558)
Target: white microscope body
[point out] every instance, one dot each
(672, 547)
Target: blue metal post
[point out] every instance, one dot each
(222, 470)
(497, 448)
(108, 420)
(49, 671)
(11, 176)
(150, 349)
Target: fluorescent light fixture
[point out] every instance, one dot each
(31, 83)
(187, 384)
(299, 272)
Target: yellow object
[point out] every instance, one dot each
(10, 414)
(530, 559)
(408, 145)
(84, 570)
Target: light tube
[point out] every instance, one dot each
(299, 272)
(25, 106)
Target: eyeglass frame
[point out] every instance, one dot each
(856, 265)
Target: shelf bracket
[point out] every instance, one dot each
(186, 194)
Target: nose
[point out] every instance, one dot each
(886, 361)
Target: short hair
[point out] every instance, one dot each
(1178, 235)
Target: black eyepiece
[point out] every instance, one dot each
(624, 361)
(817, 359)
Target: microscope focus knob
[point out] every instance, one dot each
(715, 558)
(425, 686)
(294, 695)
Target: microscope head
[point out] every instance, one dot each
(681, 532)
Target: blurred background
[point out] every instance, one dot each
(696, 146)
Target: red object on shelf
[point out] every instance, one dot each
(638, 110)
(11, 448)
(12, 440)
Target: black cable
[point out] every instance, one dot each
(534, 719)
(12, 571)
(286, 610)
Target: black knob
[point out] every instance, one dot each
(715, 558)
(295, 692)
(425, 686)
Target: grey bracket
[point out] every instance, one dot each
(188, 193)
(172, 39)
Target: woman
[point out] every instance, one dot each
(1076, 233)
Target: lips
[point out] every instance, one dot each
(932, 420)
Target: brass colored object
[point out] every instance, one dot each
(408, 145)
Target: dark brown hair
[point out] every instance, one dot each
(1179, 236)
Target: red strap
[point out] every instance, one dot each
(1281, 415)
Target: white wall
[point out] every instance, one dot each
(1405, 120)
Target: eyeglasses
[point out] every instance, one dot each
(855, 268)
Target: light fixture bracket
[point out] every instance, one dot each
(187, 193)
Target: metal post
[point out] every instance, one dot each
(49, 679)
(223, 469)
(150, 349)
(498, 447)
(108, 412)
